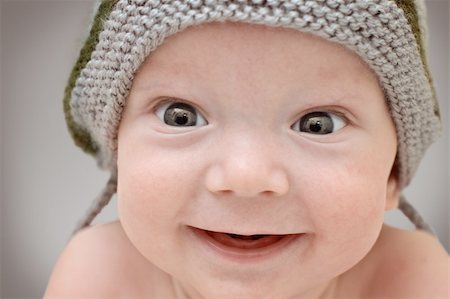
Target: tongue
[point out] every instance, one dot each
(245, 242)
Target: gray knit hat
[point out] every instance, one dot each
(389, 35)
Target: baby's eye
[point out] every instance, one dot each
(319, 123)
(180, 115)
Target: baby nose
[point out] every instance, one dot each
(247, 172)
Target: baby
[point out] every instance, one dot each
(255, 146)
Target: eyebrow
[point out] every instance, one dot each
(159, 84)
(163, 73)
(177, 79)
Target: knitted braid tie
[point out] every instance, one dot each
(387, 34)
(99, 203)
(413, 215)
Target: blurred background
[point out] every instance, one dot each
(47, 183)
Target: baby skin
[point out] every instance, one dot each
(253, 162)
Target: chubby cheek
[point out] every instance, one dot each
(153, 190)
(354, 206)
(347, 207)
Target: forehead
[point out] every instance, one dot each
(253, 54)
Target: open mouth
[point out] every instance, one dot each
(246, 248)
(243, 241)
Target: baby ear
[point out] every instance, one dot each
(392, 191)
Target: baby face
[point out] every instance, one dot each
(254, 161)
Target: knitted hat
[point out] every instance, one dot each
(389, 35)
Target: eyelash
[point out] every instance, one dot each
(189, 118)
(318, 124)
(177, 113)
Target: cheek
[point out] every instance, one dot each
(154, 187)
(346, 209)
(355, 203)
(347, 203)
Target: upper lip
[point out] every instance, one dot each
(244, 232)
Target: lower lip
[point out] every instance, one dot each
(246, 255)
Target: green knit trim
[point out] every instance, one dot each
(81, 137)
(410, 10)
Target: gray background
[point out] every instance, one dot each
(47, 183)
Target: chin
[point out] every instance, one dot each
(229, 290)
(244, 284)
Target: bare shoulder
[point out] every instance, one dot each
(411, 264)
(99, 262)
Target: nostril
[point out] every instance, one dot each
(250, 183)
(268, 193)
(226, 192)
